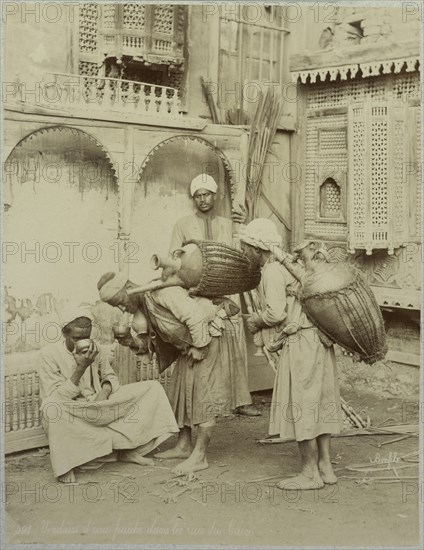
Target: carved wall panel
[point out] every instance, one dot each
(395, 279)
(325, 176)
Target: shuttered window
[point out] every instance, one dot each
(379, 153)
(251, 50)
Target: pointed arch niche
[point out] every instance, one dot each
(162, 196)
(60, 222)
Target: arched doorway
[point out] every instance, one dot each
(59, 227)
(162, 194)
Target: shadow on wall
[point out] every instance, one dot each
(29, 327)
(59, 233)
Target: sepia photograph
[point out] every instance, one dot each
(211, 274)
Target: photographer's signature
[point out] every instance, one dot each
(391, 459)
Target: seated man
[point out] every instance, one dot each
(201, 387)
(86, 413)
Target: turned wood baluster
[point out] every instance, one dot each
(176, 105)
(146, 362)
(151, 367)
(29, 403)
(36, 400)
(91, 92)
(150, 100)
(156, 371)
(123, 94)
(111, 94)
(172, 102)
(22, 402)
(15, 418)
(136, 96)
(7, 404)
(163, 101)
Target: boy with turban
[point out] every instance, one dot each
(201, 387)
(306, 402)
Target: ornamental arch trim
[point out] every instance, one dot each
(226, 162)
(72, 130)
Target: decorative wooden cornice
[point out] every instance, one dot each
(351, 61)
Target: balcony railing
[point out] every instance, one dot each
(93, 93)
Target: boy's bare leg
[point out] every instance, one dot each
(309, 478)
(197, 460)
(131, 455)
(182, 449)
(324, 460)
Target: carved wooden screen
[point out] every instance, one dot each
(154, 33)
(88, 39)
(325, 175)
(377, 196)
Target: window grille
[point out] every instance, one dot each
(377, 190)
(251, 50)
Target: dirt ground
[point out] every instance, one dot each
(233, 502)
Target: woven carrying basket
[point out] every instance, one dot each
(348, 314)
(225, 271)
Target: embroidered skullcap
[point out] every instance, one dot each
(260, 233)
(203, 181)
(108, 288)
(71, 313)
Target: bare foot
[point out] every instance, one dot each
(301, 482)
(175, 452)
(136, 458)
(69, 477)
(191, 465)
(327, 473)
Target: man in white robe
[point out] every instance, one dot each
(205, 224)
(86, 413)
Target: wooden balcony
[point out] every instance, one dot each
(94, 94)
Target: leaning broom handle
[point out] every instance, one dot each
(240, 195)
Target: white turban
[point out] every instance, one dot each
(203, 181)
(113, 286)
(71, 313)
(260, 233)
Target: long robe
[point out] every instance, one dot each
(306, 399)
(202, 226)
(79, 429)
(204, 389)
(208, 226)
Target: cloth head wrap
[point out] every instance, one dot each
(203, 181)
(260, 233)
(139, 323)
(113, 286)
(320, 247)
(69, 314)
